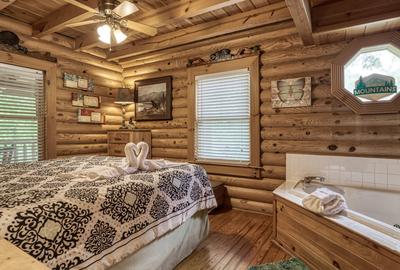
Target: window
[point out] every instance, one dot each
(373, 73)
(365, 74)
(222, 120)
(22, 114)
(224, 124)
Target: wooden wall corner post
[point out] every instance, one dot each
(51, 94)
(191, 95)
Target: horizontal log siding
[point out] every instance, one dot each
(74, 138)
(327, 127)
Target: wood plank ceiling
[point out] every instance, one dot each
(185, 22)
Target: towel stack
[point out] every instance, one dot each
(324, 201)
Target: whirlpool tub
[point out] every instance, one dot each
(373, 214)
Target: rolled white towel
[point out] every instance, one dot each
(325, 202)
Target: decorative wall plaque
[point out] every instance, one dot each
(291, 93)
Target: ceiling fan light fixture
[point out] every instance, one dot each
(119, 35)
(104, 32)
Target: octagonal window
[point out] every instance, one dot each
(373, 73)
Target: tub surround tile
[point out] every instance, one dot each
(368, 178)
(356, 171)
(356, 177)
(381, 168)
(381, 178)
(394, 179)
(394, 169)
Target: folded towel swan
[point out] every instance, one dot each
(325, 202)
(136, 157)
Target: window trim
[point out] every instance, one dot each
(251, 63)
(338, 89)
(50, 87)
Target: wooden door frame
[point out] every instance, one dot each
(50, 88)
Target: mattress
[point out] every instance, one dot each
(70, 222)
(170, 249)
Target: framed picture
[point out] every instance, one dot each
(84, 116)
(153, 99)
(96, 117)
(291, 93)
(77, 100)
(78, 82)
(90, 101)
(70, 80)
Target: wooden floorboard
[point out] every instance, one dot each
(236, 241)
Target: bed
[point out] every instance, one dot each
(145, 220)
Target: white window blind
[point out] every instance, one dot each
(222, 124)
(22, 114)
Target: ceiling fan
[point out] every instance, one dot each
(111, 17)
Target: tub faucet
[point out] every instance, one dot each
(309, 179)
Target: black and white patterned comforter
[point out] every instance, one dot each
(74, 223)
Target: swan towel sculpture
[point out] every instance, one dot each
(136, 158)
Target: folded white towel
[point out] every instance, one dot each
(325, 202)
(136, 158)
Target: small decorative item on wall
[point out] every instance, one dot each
(91, 101)
(77, 99)
(96, 117)
(78, 82)
(221, 55)
(89, 116)
(291, 93)
(224, 55)
(153, 99)
(80, 100)
(375, 87)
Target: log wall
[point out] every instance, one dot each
(75, 138)
(327, 127)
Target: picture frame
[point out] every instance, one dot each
(153, 98)
(91, 101)
(96, 117)
(88, 116)
(84, 116)
(77, 82)
(289, 93)
(77, 100)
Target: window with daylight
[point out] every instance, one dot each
(224, 113)
(366, 74)
(222, 121)
(22, 114)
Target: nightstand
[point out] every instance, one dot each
(119, 138)
(219, 192)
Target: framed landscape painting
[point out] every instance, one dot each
(153, 98)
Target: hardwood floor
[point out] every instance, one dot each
(236, 241)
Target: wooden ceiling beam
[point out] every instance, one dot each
(184, 11)
(301, 14)
(5, 3)
(204, 47)
(7, 23)
(243, 21)
(334, 16)
(165, 16)
(84, 4)
(63, 16)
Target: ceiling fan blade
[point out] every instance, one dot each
(76, 24)
(148, 30)
(124, 9)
